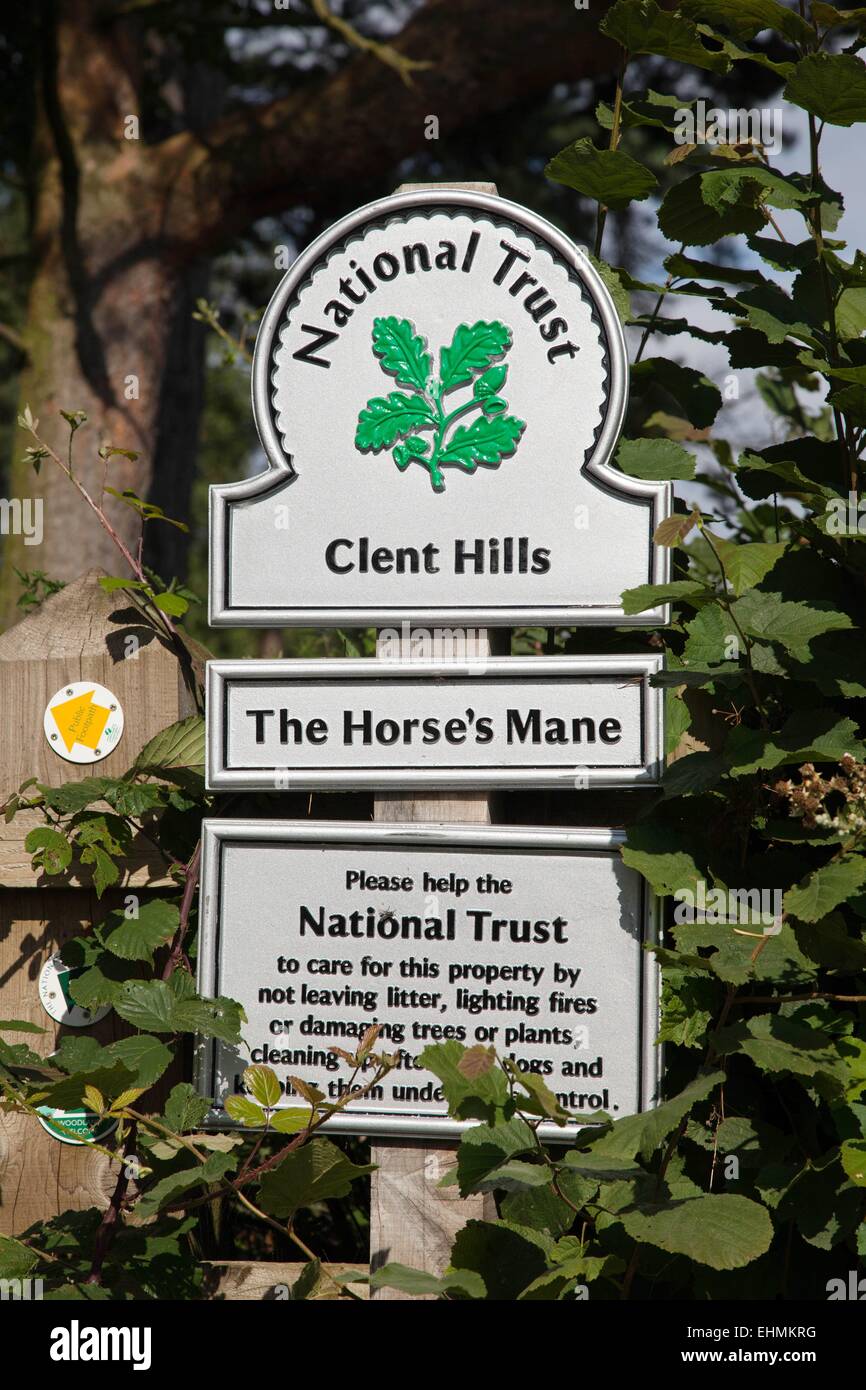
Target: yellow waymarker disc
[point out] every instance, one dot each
(83, 722)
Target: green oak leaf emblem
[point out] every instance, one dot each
(421, 421)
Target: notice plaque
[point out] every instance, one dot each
(574, 721)
(439, 383)
(530, 940)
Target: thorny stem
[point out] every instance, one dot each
(249, 1175)
(189, 887)
(134, 563)
(112, 1219)
(102, 518)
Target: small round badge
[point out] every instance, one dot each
(83, 722)
(57, 1001)
(78, 1126)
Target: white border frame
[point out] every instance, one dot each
(575, 668)
(598, 839)
(224, 496)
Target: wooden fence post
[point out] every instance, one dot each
(82, 633)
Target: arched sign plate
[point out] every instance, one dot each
(439, 384)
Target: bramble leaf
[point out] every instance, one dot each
(309, 1174)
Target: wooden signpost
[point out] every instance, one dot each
(439, 383)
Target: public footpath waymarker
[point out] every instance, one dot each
(527, 939)
(439, 383)
(572, 721)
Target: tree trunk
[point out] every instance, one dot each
(118, 224)
(99, 312)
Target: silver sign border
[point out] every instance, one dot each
(628, 667)
(223, 496)
(538, 838)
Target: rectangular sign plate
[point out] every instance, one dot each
(530, 940)
(575, 721)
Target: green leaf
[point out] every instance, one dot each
(721, 1230)
(263, 1086)
(170, 1188)
(611, 177)
(832, 86)
(615, 279)
(385, 420)
(290, 1121)
(146, 1004)
(245, 1111)
(105, 871)
(100, 983)
(136, 938)
(417, 1283)
(211, 1018)
(746, 565)
(771, 618)
(750, 750)
(51, 851)
(685, 217)
(478, 1098)
(778, 1044)
(181, 745)
(145, 1056)
(650, 595)
(484, 441)
(185, 1109)
(402, 352)
(309, 1174)
(642, 1134)
(640, 26)
(667, 866)
(744, 19)
(158, 1006)
(110, 1081)
(662, 384)
(19, 1025)
(516, 1176)
(471, 350)
(655, 459)
(16, 1260)
(852, 1154)
(819, 892)
(507, 1258)
(723, 188)
(484, 1148)
(173, 604)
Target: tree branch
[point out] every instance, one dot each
(351, 125)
